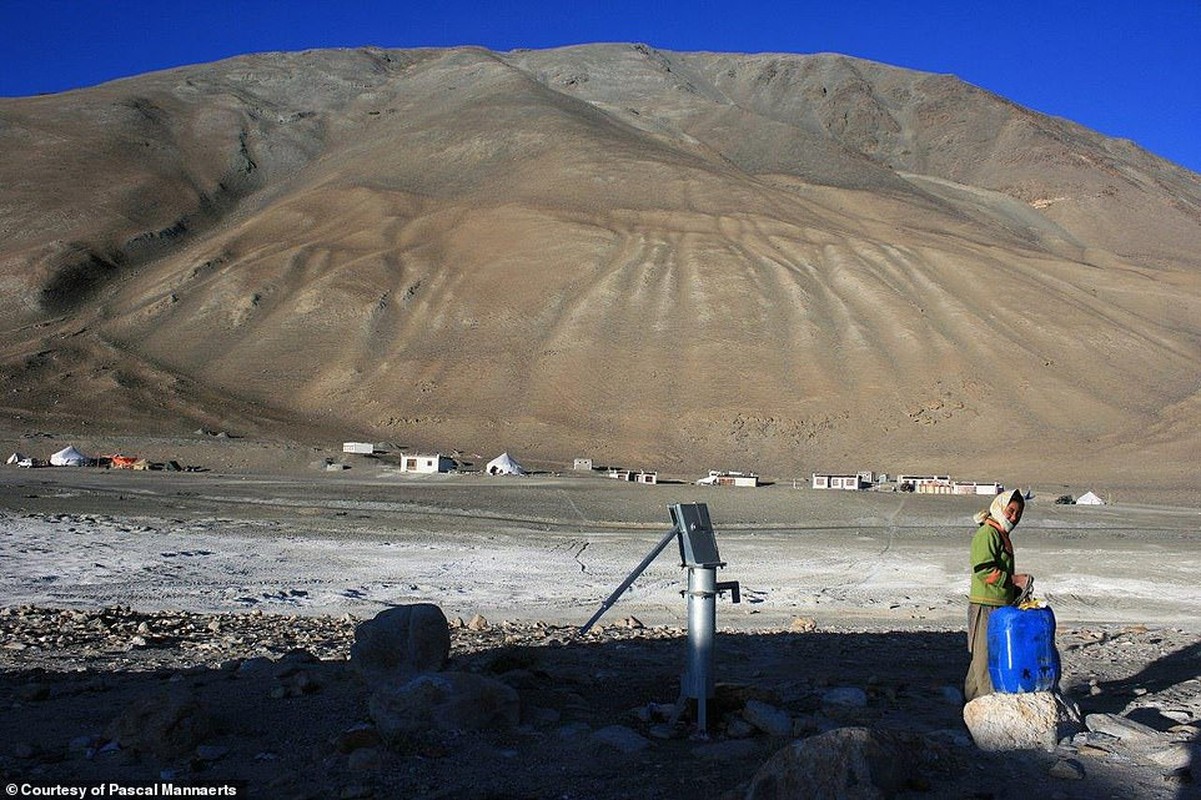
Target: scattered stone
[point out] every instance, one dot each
(846, 763)
(360, 736)
(447, 701)
(401, 642)
(365, 759)
(168, 724)
(802, 625)
(767, 718)
(809, 724)
(664, 731)
(574, 730)
(844, 697)
(477, 623)
(733, 750)
(1177, 755)
(1127, 730)
(1028, 721)
(621, 738)
(950, 737)
(1067, 769)
(739, 728)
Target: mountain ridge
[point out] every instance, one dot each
(789, 262)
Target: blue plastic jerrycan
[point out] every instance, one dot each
(1021, 650)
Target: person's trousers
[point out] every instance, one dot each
(977, 683)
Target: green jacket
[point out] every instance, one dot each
(989, 553)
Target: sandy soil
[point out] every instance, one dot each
(195, 575)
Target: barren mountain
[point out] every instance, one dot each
(667, 260)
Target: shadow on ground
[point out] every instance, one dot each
(283, 725)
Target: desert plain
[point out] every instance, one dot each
(231, 579)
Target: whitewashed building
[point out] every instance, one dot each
(722, 478)
(427, 464)
(636, 476)
(849, 483)
(362, 448)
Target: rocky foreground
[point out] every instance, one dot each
(272, 706)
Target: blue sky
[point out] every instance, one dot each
(1128, 69)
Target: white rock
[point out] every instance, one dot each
(1175, 756)
(767, 718)
(1127, 730)
(1027, 721)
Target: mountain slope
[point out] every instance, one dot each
(787, 263)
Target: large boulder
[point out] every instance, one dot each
(1026, 721)
(846, 764)
(401, 642)
(167, 725)
(444, 701)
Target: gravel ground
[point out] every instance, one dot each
(242, 592)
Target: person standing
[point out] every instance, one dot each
(994, 583)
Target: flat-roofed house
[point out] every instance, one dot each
(427, 463)
(833, 481)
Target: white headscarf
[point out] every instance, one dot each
(996, 509)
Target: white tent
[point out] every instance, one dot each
(19, 460)
(1089, 499)
(503, 464)
(68, 457)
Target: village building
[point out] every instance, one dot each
(943, 484)
(839, 481)
(582, 465)
(723, 478)
(427, 464)
(362, 448)
(636, 476)
(973, 487)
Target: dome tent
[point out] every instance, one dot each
(68, 457)
(503, 464)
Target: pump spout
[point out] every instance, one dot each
(733, 588)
